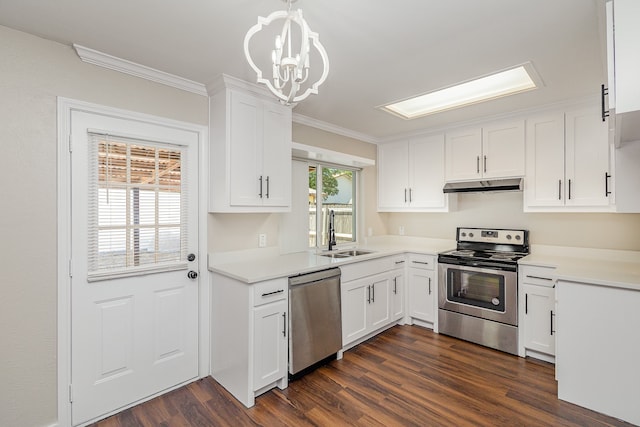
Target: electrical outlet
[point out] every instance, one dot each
(262, 240)
(401, 230)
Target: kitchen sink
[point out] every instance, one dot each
(347, 253)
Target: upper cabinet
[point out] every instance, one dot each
(411, 175)
(623, 60)
(568, 162)
(493, 151)
(250, 153)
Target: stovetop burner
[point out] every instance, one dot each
(496, 245)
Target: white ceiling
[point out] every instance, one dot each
(379, 51)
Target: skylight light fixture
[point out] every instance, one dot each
(514, 80)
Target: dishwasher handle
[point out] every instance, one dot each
(317, 276)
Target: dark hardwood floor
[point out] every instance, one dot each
(406, 376)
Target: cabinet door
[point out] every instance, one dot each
(355, 301)
(421, 294)
(539, 319)
(380, 302)
(503, 150)
(587, 158)
(276, 155)
(393, 185)
(463, 150)
(270, 343)
(426, 172)
(544, 181)
(397, 294)
(245, 165)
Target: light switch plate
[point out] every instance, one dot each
(262, 240)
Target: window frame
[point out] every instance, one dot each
(319, 203)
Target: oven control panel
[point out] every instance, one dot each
(497, 236)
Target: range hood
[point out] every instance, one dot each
(482, 186)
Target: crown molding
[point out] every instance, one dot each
(104, 60)
(319, 124)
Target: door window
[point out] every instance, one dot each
(137, 208)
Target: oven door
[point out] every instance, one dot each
(488, 293)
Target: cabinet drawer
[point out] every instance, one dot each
(270, 291)
(399, 261)
(425, 262)
(360, 269)
(541, 276)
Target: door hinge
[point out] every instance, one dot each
(70, 393)
(70, 144)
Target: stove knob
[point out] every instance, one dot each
(518, 237)
(464, 234)
(508, 236)
(470, 234)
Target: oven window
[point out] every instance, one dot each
(484, 290)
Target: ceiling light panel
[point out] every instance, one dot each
(503, 83)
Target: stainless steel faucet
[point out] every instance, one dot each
(332, 230)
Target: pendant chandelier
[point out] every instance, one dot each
(290, 64)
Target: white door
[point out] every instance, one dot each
(134, 311)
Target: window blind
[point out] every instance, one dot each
(137, 207)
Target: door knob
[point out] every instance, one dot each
(191, 257)
(192, 274)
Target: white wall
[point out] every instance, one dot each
(504, 210)
(33, 72)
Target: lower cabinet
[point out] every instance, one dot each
(270, 343)
(422, 289)
(537, 313)
(249, 336)
(372, 297)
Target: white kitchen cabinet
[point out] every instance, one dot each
(411, 175)
(365, 306)
(398, 291)
(372, 294)
(494, 151)
(537, 313)
(623, 63)
(249, 336)
(250, 153)
(597, 347)
(421, 279)
(270, 343)
(568, 162)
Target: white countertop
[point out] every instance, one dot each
(601, 267)
(253, 266)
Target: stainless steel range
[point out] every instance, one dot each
(478, 287)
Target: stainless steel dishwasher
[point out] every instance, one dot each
(315, 320)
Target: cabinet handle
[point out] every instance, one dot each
(260, 179)
(485, 164)
(284, 324)
(477, 164)
(405, 195)
(399, 262)
(538, 277)
(420, 262)
(368, 294)
(559, 189)
(526, 303)
(606, 184)
(410, 195)
(569, 189)
(267, 187)
(551, 331)
(604, 91)
(373, 293)
(429, 285)
(395, 285)
(279, 291)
